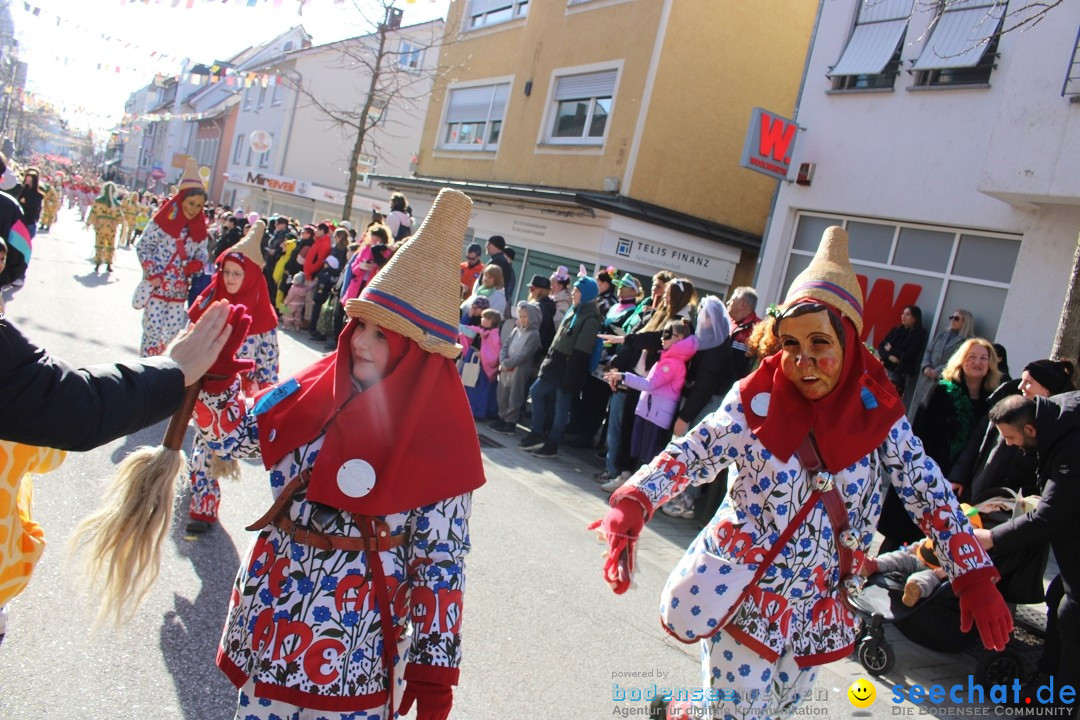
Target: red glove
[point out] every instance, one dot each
(980, 601)
(621, 527)
(220, 375)
(193, 267)
(433, 700)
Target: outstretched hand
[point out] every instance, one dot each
(199, 345)
(620, 528)
(982, 605)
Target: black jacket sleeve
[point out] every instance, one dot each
(44, 401)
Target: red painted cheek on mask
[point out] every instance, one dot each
(830, 366)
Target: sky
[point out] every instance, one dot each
(86, 56)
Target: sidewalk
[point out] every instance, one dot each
(664, 541)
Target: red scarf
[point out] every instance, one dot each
(844, 428)
(253, 294)
(413, 427)
(170, 218)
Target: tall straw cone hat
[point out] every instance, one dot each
(417, 293)
(191, 177)
(830, 278)
(250, 245)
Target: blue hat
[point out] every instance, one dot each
(588, 287)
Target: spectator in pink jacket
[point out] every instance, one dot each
(660, 390)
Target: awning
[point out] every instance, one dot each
(961, 35)
(877, 33)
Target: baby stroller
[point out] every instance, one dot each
(937, 616)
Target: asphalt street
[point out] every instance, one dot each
(544, 637)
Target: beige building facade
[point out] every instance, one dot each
(609, 132)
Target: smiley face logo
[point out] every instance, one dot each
(861, 693)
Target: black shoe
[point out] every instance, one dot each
(506, 428)
(532, 441)
(198, 527)
(547, 450)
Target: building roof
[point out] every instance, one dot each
(590, 200)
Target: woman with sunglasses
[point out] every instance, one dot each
(961, 326)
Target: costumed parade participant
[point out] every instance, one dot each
(105, 217)
(816, 434)
(314, 626)
(50, 206)
(172, 249)
(129, 209)
(239, 280)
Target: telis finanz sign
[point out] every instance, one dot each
(770, 144)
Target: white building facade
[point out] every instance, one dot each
(289, 157)
(952, 156)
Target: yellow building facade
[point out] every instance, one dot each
(609, 132)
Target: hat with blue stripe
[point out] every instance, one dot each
(829, 278)
(417, 293)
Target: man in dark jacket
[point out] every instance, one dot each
(1050, 428)
(496, 244)
(564, 370)
(46, 402)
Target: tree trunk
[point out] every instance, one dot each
(1067, 341)
(361, 131)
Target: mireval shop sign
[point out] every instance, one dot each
(770, 142)
(303, 188)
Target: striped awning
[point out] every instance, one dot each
(877, 33)
(961, 35)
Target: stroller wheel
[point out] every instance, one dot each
(999, 668)
(876, 656)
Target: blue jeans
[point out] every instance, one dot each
(614, 431)
(547, 397)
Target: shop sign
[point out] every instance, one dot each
(303, 188)
(770, 142)
(666, 257)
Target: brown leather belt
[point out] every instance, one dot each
(380, 540)
(383, 540)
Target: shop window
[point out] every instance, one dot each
(923, 249)
(474, 117)
(871, 58)
(986, 258)
(962, 47)
(581, 107)
(938, 269)
(534, 262)
(482, 13)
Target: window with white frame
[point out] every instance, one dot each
(238, 149)
(410, 57)
(277, 96)
(871, 58)
(962, 46)
(264, 157)
(482, 13)
(937, 268)
(262, 98)
(474, 117)
(581, 106)
(247, 98)
(250, 156)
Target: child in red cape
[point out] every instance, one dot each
(350, 600)
(239, 280)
